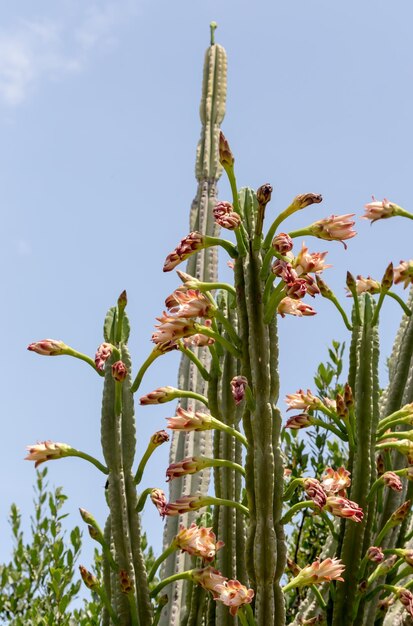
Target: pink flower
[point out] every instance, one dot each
(315, 491)
(335, 481)
(317, 573)
(208, 578)
(296, 289)
(199, 340)
(289, 306)
(198, 541)
(172, 328)
(375, 554)
(377, 210)
(284, 270)
(119, 371)
(305, 262)
(188, 420)
(366, 285)
(159, 396)
(47, 451)
(341, 507)
(238, 386)
(303, 420)
(392, 480)
(187, 246)
(48, 347)
(225, 215)
(189, 303)
(191, 465)
(282, 243)
(186, 504)
(406, 598)
(233, 594)
(302, 400)
(403, 273)
(159, 500)
(102, 354)
(334, 228)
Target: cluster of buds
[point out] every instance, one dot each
(198, 541)
(230, 592)
(329, 494)
(225, 215)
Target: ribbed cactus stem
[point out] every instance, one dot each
(363, 470)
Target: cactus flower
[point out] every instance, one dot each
(48, 347)
(198, 541)
(306, 262)
(335, 481)
(189, 303)
(159, 396)
(284, 270)
(392, 480)
(317, 573)
(119, 371)
(208, 578)
(303, 420)
(225, 215)
(403, 273)
(191, 465)
(47, 451)
(189, 420)
(238, 386)
(88, 578)
(102, 354)
(289, 306)
(302, 400)
(334, 228)
(282, 243)
(342, 507)
(315, 491)
(365, 285)
(406, 598)
(233, 594)
(159, 500)
(296, 289)
(186, 504)
(188, 245)
(375, 554)
(377, 210)
(172, 328)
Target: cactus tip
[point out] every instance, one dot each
(213, 26)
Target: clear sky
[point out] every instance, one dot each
(99, 124)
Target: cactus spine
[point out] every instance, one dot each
(204, 267)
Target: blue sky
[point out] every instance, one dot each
(99, 122)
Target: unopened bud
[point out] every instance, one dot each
(305, 199)
(282, 243)
(48, 347)
(351, 282)
(293, 567)
(348, 396)
(125, 581)
(264, 194)
(341, 408)
(94, 534)
(375, 554)
(387, 280)
(160, 437)
(88, 578)
(122, 300)
(323, 287)
(401, 513)
(380, 465)
(238, 386)
(119, 371)
(226, 158)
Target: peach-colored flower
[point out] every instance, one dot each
(47, 451)
(334, 228)
(186, 504)
(190, 465)
(317, 573)
(302, 400)
(282, 243)
(289, 306)
(208, 578)
(296, 289)
(305, 262)
(188, 420)
(284, 270)
(377, 210)
(366, 285)
(172, 328)
(190, 303)
(159, 396)
(159, 500)
(238, 386)
(302, 420)
(315, 491)
(102, 354)
(48, 347)
(233, 594)
(198, 541)
(403, 273)
(375, 554)
(225, 215)
(335, 481)
(342, 507)
(392, 480)
(187, 246)
(199, 340)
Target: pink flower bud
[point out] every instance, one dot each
(159, 500)
(296, 289)
(225, 215)
(341, 507)
(375, 554)
(187, 420)
(159, 396)
(289, 306)
(238, 386)
(187, 246)
(208, 578)
(190, 465)
(406, 598)
(334, 228)
(172, 328)
(102, 354)
(376, 210)
(119, 371)
(303, 420)
(160, 437)
(302, 400)
(392, 480)
(282, 243)
(284, 270)
(186, 504)
(315, 491)
(48, 347)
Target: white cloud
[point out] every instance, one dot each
(45, 49)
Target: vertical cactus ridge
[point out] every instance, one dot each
(363, 472)
(107, 572)
(203, 266)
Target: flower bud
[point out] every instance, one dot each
(264, 194)
(392, 480)
(401, 513)
(238, 386)
(125, 581)
(306, 199)
(47, 451)
(88, 578)
(159, 500)
(122, 300)
(375, 554)
(48, 347)
(387, 280)
(102, 354)
(188, 245)
(282, 243)
(119, 371)
(226, 158)
(225, 216)
(160, 437)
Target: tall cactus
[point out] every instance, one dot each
(203, 266)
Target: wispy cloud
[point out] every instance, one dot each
(34, 51)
